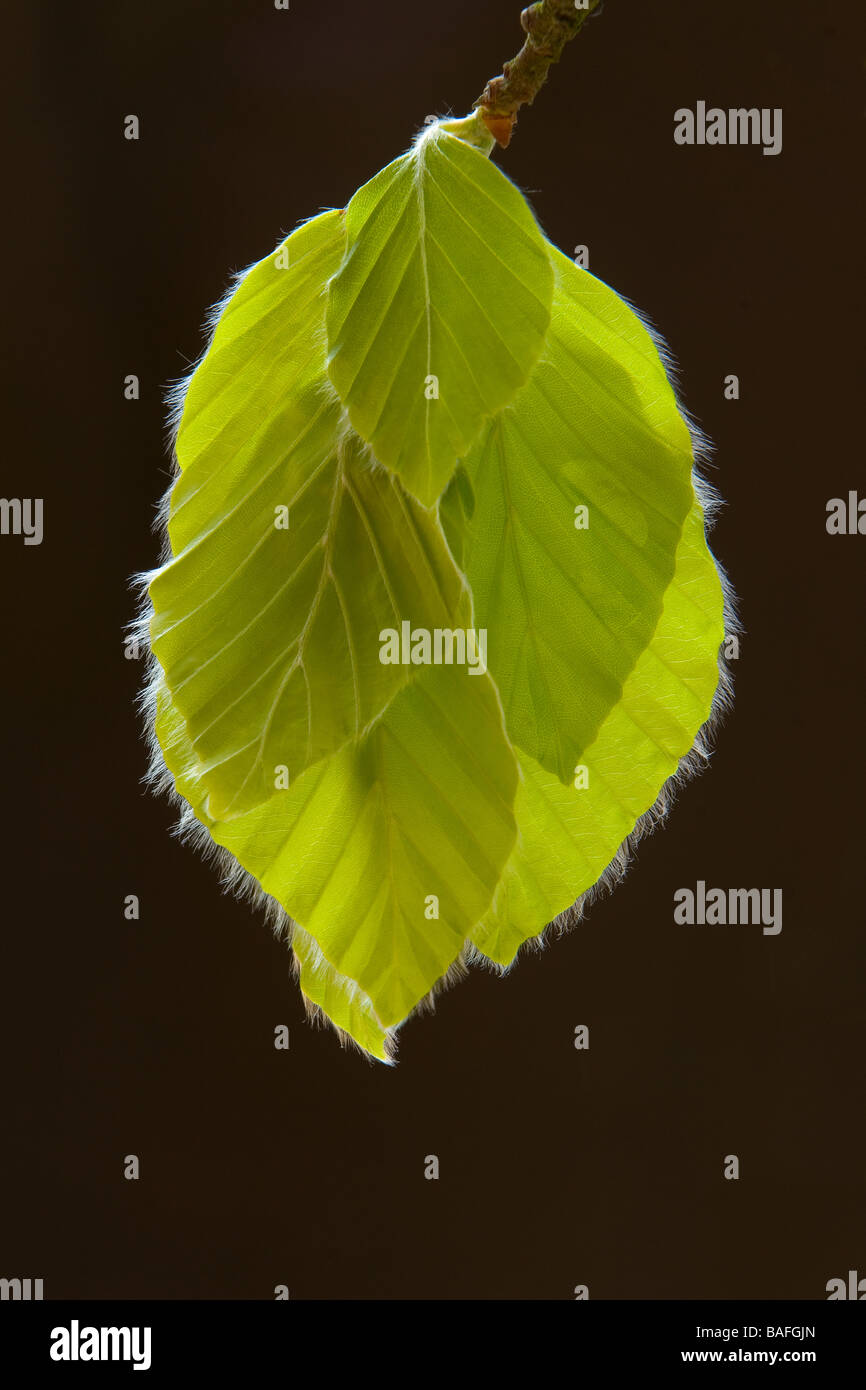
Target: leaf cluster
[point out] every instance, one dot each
(417, 411)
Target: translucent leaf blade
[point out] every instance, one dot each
(571, 598)
(266, 338)
(447, 276)
(568, 837)
(292, 550)
(339, 999)
(388, 853)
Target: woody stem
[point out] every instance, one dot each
(549, 25)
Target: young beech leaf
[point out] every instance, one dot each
(440, 309)
(389, 852)
(290, 551)
(326, 993)
(581, 487)
(567, 836)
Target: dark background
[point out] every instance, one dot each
(155, 1037)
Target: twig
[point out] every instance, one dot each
(549, 25)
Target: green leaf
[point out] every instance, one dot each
(324, 990)
(568, 837)
(388, 853)
(340, 1000)
(570, 610)
(322, 987)
(266, 345)
(447, 276)
(292, 550)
